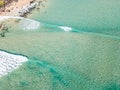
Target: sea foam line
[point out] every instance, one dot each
(29, 24)
(67, 29)
(26, 24)
(10, 62)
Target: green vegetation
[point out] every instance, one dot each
(1, 2)
(3, 29)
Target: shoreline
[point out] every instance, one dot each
(20, 8)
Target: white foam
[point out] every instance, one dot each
(28, 24)
(2, 18)
(65, 28)
(10, 62)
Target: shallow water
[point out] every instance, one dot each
(85, 15)
(86, 57)
(60, 60)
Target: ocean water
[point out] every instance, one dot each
(71, 45)
(85, 15)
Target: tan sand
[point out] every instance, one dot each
(13, 8)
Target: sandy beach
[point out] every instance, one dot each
(13, 8)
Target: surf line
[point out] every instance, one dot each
(35, 24)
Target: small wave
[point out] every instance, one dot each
(10, 62)
(29, 24)
(67, 29)
(26, 24)
(2, 18)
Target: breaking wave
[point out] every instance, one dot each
(10, 62)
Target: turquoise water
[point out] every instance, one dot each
(84, 58)
(87, 15)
